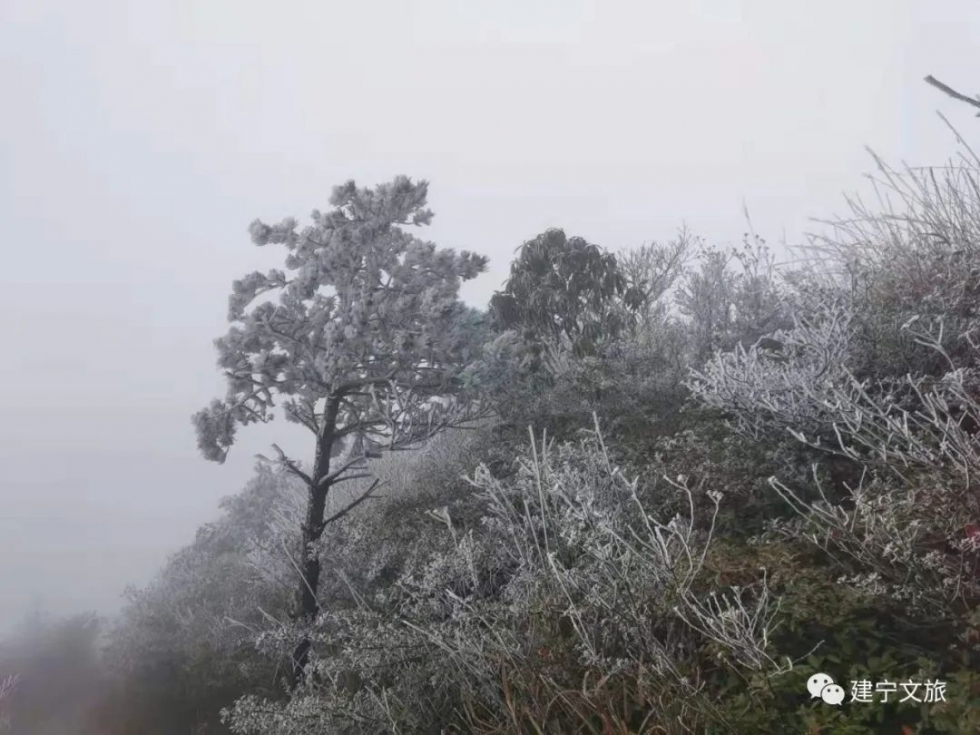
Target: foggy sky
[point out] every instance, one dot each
(139, 139)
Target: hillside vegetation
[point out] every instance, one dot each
(695, 479)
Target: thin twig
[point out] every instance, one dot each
(364, 496)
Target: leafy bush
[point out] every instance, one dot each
(566, 287)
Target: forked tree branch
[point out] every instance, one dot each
(331, 479)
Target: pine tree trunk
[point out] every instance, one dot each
(308, 606)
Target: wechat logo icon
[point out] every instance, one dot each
(823, 686)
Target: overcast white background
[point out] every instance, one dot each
(139, 139)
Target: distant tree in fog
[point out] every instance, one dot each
(565, 287)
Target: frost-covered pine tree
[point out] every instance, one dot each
(366, 344)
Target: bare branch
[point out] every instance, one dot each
(352, 477)
(292, 466)
(953, 93)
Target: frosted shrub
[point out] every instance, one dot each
(914, 253)
(734, 297)
(568, 571)
(782, 380)
(882, 371)
(910, 543)
(618, 581)
(914, 523)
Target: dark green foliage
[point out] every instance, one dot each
(566, 286)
